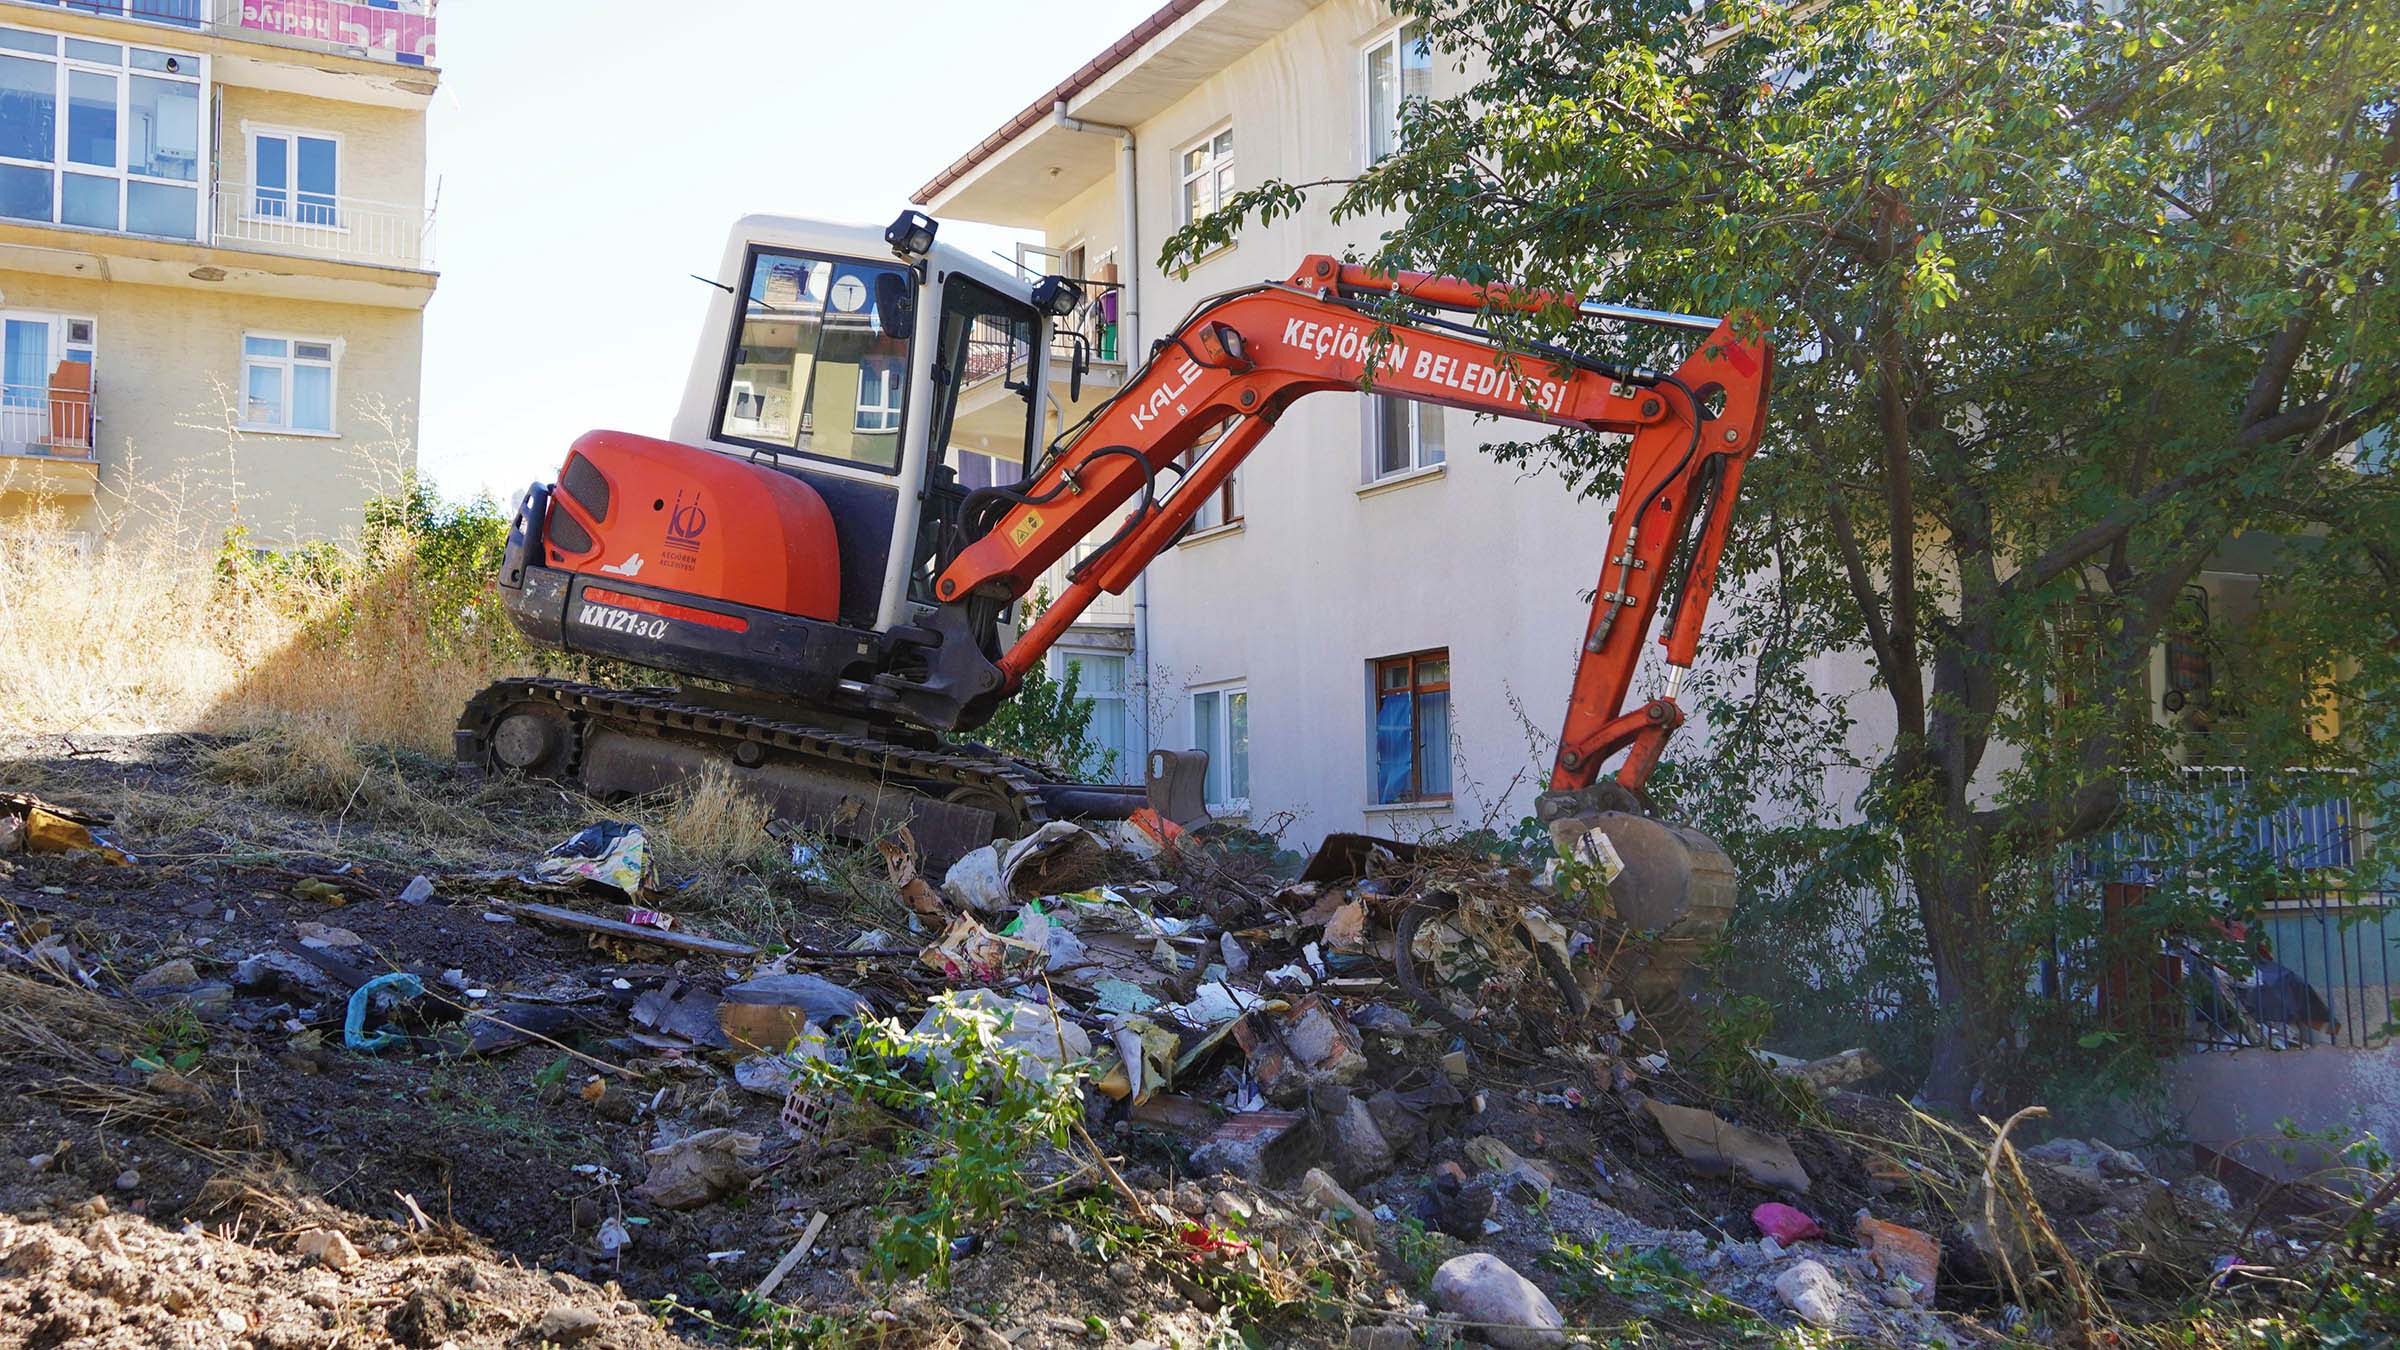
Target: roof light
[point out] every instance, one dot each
(911, 234)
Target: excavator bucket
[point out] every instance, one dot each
(1669, 881)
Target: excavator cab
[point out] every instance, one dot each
(854, 388)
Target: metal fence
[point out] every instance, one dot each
(2312, 966)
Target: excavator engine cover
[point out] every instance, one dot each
(699, 522)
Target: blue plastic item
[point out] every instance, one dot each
(354, 1025)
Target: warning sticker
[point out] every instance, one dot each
(1025, 529)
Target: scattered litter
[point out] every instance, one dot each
(323, 892)
(790, 1259)
(401, 986)
(1785, 1224)
(613, 1238)
(1145, 1060)
(650, 918)
(675, 1009)
(35, 826)
(969, 953)
(772, 1012)
(899, 851)
(1042, 863)
(1717, 1147)
(698, 1168)
(324, 937)
(613, 853)
(1041, 1038)
(1904, 1256)
(417, 891)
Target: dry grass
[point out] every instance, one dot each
(145, 634)
(713, 827)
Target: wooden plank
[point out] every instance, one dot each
(767, 1286)
(593, 923)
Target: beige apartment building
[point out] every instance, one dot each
(216, 249)
(1375, 627)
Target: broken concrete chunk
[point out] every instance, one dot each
(1309, 1045)
(1904, 1256)
(697, 1168)
(1502, 1306)
(1717, 1147)
(1355, 1142)
(1262, 1147)
(282, 971)
(328, 1248)
(1811, 1291)
(1338, 1207)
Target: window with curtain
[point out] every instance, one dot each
(1412, 728)
(1221, 726)
(1100, 677)
(288, 383)
(1207, 174)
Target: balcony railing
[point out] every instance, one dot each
(399, 31)
(309, 225)
(37, 421)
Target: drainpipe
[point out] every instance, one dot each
(1129, 346)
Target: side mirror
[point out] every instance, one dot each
(1077, 365)
(895, 306)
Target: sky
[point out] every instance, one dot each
(589, 158)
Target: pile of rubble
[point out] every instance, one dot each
(1450, 1067)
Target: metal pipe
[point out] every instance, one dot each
(1601, 309)
(1129, 351)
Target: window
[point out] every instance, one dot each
(1399, 67)
(46, 372)
(99, 135)
(1221, 726)
(1100, 677)
(287, 383)
(983, 471)
(1403, 436)
(295, 176)
(1412, 728)
(1224, 506)
(1207, 170)
(879, 382)
(810, 340)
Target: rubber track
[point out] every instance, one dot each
(786, 742)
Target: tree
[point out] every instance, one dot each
(1050, 720)
(2067, 297)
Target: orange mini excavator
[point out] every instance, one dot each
(825, 544)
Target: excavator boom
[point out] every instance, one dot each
(1219, 383)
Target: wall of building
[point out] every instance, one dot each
(1326, 571)
(168, 367)
(382, 149)
(2238, 1102)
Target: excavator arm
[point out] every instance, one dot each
(1229, 371)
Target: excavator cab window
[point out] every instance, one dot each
(815, 370)
(985, 406)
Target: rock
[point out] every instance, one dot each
(1403, 1127)
(1262, 1147)
(1505, 1307)
(1354, 1144)
(1325, 1195)
(566, 1326)
(1231, 1208)
(1785, 1225)
(328, 1248)
(168, 975)
(1384, 1338)
(280, 971)
(1811, 1291)
(2206, 1193)
(129, 1180)
(417, 891)
(2116, 1162)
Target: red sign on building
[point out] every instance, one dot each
(396, 30)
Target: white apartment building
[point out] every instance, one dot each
(1375, 628)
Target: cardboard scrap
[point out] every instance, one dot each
(1716, 1146)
